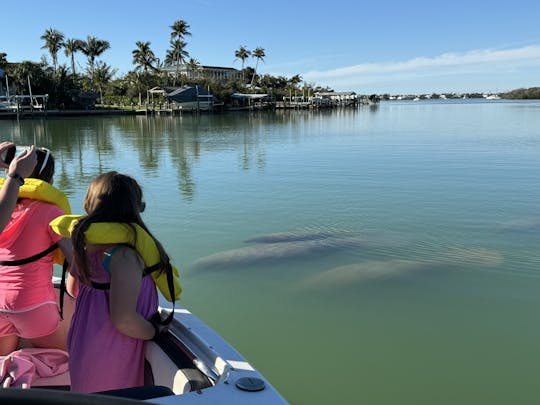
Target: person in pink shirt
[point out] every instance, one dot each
(28, 306)
(117, 300)
(19, 168)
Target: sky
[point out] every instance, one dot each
(376, 46)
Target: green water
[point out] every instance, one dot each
(427, 290)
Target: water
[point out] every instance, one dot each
(412, 271)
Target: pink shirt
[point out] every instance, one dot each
(28, 233)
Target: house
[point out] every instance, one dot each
(214, 73)
(190, 97)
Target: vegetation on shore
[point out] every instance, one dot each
(62, 81)
(532, 93)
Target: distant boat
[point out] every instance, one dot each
(250, 101)
(7, 104)
(492, 97)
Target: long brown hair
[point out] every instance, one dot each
(111, 197)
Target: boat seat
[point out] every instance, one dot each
(165, 372)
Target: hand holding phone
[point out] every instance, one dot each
(23, 161)
(7, 153)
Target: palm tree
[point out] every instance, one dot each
(134, 78)
(101, 75)
(180, 30)
(20, 72)
(258, 54)
(54, 41)
(193, 66)
(71, 46)
(93, 48)
(242, 53)
(143, 56)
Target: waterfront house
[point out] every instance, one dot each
(215, 73)
(190, 97)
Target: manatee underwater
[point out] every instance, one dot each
(264, 249)
(371, 270)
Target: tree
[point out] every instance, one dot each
(193, 67)
(176, 55)
(54, 41)
(3, 60)
(134, 79)
(101, 75)
(258, 54)
(20, 72)
(72, 46)
(93, 48)
(242, 53)
(180, 30)
(144, 57)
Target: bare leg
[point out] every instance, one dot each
(8, 344)
(58, 339)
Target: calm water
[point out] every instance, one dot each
(409, 272)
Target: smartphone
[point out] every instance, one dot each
(10, 153)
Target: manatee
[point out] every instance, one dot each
(293, 236)
(283, 247)
(360, 272)
(521, 225)
(262, 253)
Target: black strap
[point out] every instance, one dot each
(63, 288)
(30, 259)
(146, 272)
(170, 284)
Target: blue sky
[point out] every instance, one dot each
(376, 46)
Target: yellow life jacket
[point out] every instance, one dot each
(37, 189)
(115, 232)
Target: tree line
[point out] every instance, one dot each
(62, 81)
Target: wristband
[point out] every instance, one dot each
(17, 177)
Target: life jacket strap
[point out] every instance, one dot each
(30, 259)
(170, 283)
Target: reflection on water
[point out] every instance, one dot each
(396, 246)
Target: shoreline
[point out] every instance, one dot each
(64, 113)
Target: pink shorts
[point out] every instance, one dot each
(30, 324)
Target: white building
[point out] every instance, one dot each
(214, 73)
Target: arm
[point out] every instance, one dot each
(22, 165)
(72, 284)
(126, 276)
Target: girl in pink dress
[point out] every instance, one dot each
(110, 327)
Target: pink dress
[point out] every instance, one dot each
(100, 357)
(27, 233)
